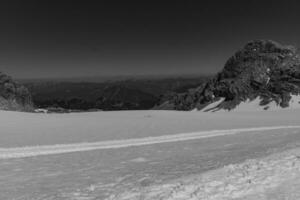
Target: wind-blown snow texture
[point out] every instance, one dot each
(274, 177)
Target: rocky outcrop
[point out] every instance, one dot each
(263, 68)
(14, 96)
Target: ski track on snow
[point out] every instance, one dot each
(31, 151)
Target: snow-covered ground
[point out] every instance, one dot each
(31, 129)
(30, 151)
(254, 105)
(274, 177)
(149, 155)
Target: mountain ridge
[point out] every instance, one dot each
(262, 68)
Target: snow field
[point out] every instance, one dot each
(30, 151)
(256, 179)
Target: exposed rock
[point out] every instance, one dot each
(263, 68)
(14, 96)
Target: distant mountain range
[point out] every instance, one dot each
(113, 78)
(263, 72)
(129, 94)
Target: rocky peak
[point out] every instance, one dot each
(263, 68)
(14, 96)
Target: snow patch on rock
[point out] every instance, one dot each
(213, 106)
(254, 105)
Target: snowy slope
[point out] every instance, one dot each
(31, 151)
(141, 154)
(31, 129)
(254, 105)
(274, 177)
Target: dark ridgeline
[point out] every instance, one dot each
(130, 94)
(263, 68)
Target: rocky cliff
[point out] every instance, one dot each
(263, 69)
(13, 96)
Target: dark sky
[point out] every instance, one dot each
(76, 38)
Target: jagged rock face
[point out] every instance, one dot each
(262, 68)
(14, 96)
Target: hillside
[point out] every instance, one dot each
(263, 70)
(13, 96)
